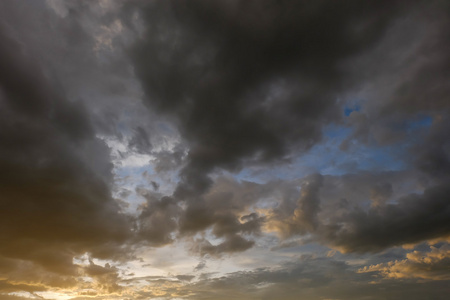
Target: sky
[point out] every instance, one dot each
(224, 149)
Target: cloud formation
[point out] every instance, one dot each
(55, 176)
(432, 265)
(361, 227)
(255, 89)
(250, 89)
(215, 149)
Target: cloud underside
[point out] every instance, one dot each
(432, 265)
(55, 198)
(209, 106)
(251, 84)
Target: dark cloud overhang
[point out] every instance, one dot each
(415, 218)
(249, 82)
(213, 68)
(55, 202)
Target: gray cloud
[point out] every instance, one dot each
(355, 224)
(158, 219)
(228, 85)
(380, 194)
(255, 82)
(232, 243)
(404, 78)
(249, 88)
(55, 174)
(413, 219)
(140, 141)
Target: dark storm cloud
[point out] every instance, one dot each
(426, 87)
(339, 211)
(54, 174)
(254, 82)
(301, 216)
(250, 80)
(245, 83)
(404, 78)
(158, 218)
(413, 219)
(434, 157)
(226, 210)
(380, 194)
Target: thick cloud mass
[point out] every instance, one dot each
(256, 82)
(414, 219)
(247, 80)
(55, 199)
(247, 149)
